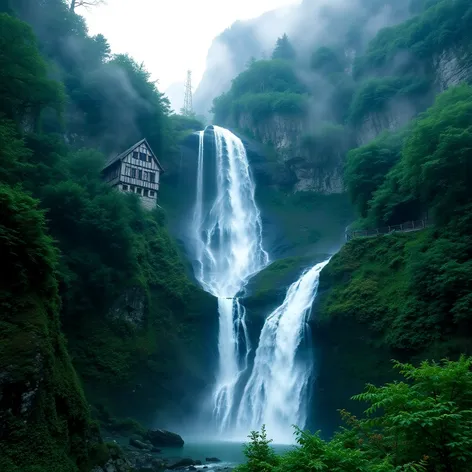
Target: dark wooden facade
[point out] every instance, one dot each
(136, 170)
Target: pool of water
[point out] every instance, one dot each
(230, 453)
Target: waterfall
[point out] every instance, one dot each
(228, 251)
(228, 248)
(276, 394)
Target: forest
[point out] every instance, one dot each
(74, 251)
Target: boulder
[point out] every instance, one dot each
(213, 459)
(180, 463)
(140, 444)
(163, 438)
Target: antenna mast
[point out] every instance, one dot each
(188, 105)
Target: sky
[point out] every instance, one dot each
(171, 36)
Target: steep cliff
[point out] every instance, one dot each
(44, 417)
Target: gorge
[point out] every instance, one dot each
(235, 306)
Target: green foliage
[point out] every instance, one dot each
(432, 169)
(42, 400)
(367, 167)
(327, 61)
(260, 456)
(283, 49)
(436, 155)
(375, 94)
(264, 88)
(261, 106)
(442, 25)
(418, 424)
(429, 415)
(25, 88)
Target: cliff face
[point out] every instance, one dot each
(44, 417)
(452, 67)
(306, 171)
(397, 114)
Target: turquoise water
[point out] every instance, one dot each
(230, 453)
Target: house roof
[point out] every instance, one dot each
(129, 150)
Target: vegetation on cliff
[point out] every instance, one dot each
(407, 295)
(78, 257)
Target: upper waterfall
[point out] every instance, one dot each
(227, 226)
(228, 249)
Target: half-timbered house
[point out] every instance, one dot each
(136, 170)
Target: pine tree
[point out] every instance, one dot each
(283, 49)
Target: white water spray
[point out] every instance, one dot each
(277, 391)
(228, 247)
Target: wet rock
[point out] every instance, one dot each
(163, 438)
(140, 444)
(156, 450)
(213, 459)
(180, 463)
(198, 463)
(192, 467)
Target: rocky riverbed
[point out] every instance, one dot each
(153, 453)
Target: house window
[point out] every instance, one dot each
(145, 192)
(145, 175)
(135, 155)
(132, 188)
(143, 156)
(149, 158)
(140, 174)
(125, 188)
(152, 177)
(128, 170)
(139, 191)
(133, 173)
(151, 193)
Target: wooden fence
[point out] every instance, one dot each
(403, 228)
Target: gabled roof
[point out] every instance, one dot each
(128, 151)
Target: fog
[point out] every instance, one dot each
(312, 24)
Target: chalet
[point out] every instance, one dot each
(136, 170)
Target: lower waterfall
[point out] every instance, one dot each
(276, 394)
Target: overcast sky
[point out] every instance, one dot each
(171, 36)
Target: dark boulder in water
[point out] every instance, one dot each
(213, 459)
(163, 438)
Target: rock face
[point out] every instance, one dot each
(398, 113)
(452, 67)
(281, 132)
(302, 169)
(131, 306)
(163, 438)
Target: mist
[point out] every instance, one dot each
(310, 25)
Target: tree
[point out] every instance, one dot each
(25, 88)
(85, 3)
(283, 49)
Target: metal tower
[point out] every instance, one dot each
(187, 110)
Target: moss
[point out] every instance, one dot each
(128, 366)
(268, 288)
(43, 412)
(304, 223)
